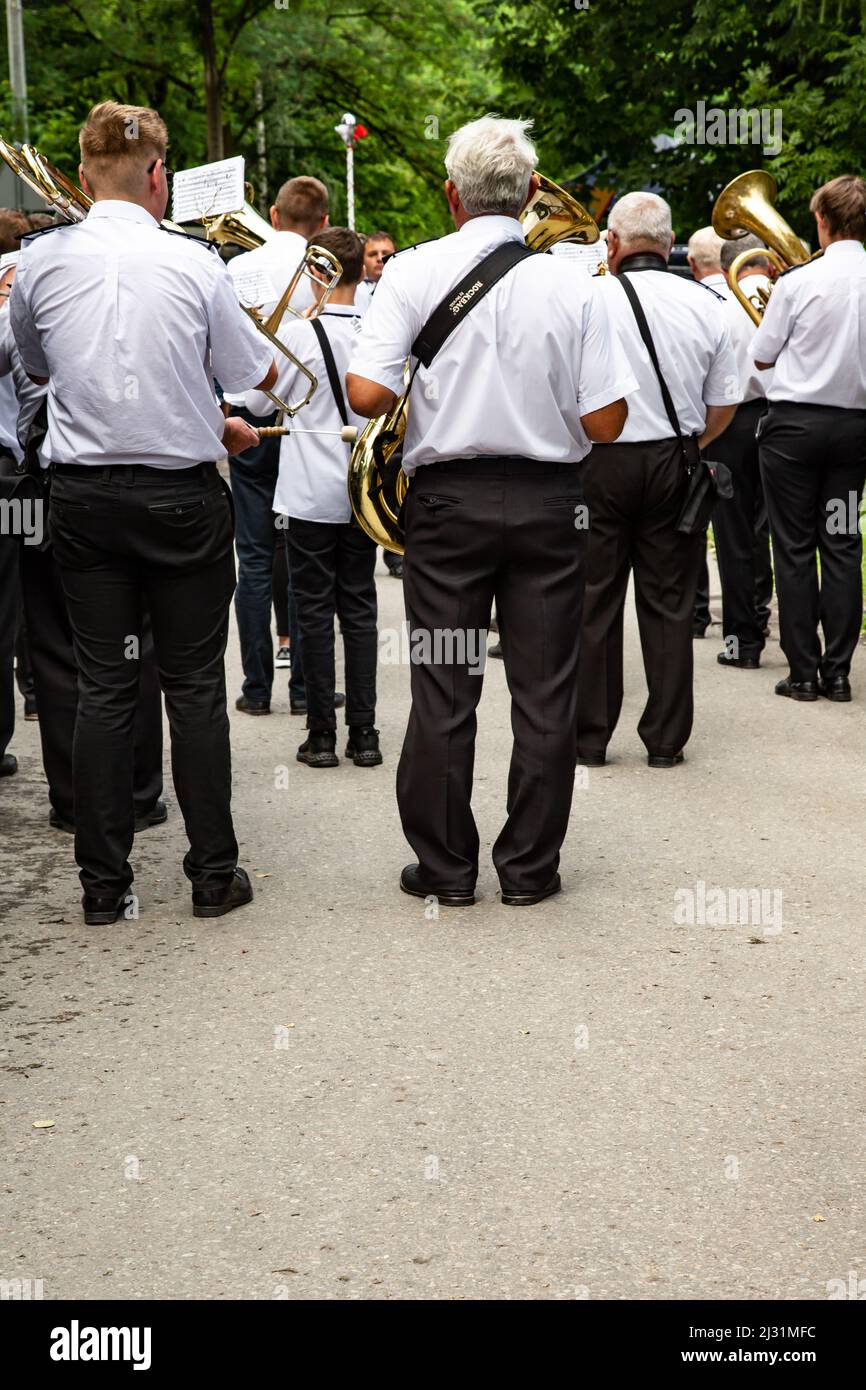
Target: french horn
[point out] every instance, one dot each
(745, 205)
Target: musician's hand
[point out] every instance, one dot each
(238, 435)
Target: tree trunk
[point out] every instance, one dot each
(212, 82)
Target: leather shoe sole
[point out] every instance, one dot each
(102, 912)
(742, 663)
(591, 760)
(804, 690)
(251, 706)
(662, 760)
(216, 902)
(411, 883)
(528, 899)
(840, 695)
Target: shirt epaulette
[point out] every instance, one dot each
(800, 264)
(190, 236)
(43, 231)
(709, 289)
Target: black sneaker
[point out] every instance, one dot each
(283, 657)
(318, 750)
(363, 745)
(8, 765)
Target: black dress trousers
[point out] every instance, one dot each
(55, 684)
(480, 530)
(332, 567)
(740, 549)
(123, 536)
(635, 493)
(813, 464)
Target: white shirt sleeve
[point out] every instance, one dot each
(385, 339)
(776, 325)
(602, 372)
(240, 355)
(23, 327)
(722, 382)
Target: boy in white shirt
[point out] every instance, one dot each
(331, 560)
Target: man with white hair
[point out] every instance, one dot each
(740, 521)
(636, 487)
(499, 418)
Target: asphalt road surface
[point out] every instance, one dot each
(643, 1088)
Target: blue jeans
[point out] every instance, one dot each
(254, 480)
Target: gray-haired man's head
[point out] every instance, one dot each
(638, 222)
(490, 165)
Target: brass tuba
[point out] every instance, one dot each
(746, 205)
(377, 483)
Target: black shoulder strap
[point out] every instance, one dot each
(331, 368)
(464, 296)
(644, 330)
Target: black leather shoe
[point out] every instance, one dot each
(411, 882)
(396, 570)
(102, 912)
(591, 759)
(300, 706)
(216, 902)
(837, 688)
(318, 750)
(797, 690)
(247, 706)
(31, 713)
(662, 760)
(743, 663)
(157, 815)
(698, 630)
(495, 650)
(58, 822)
(8, 765)
(527, 899)
(363, 745)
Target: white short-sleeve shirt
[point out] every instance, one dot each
(689, 328)
(517, 373)
(314, 468)
(814, 330)
(132, 325)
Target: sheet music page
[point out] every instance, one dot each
(589, 257)
(254, 287)
(208, 190)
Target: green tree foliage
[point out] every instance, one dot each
(606, 79)
(213, 68)
(599, 81)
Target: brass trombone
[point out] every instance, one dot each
(746, 205)
(377, 483)
(248, 229)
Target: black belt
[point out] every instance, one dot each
(816, 405)
(134, 472)
(496, 466)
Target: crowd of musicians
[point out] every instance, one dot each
(555, 420)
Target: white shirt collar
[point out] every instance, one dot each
(128, 212)
(846, 247)
(347, 309)
(712, 280)
(481, 228)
